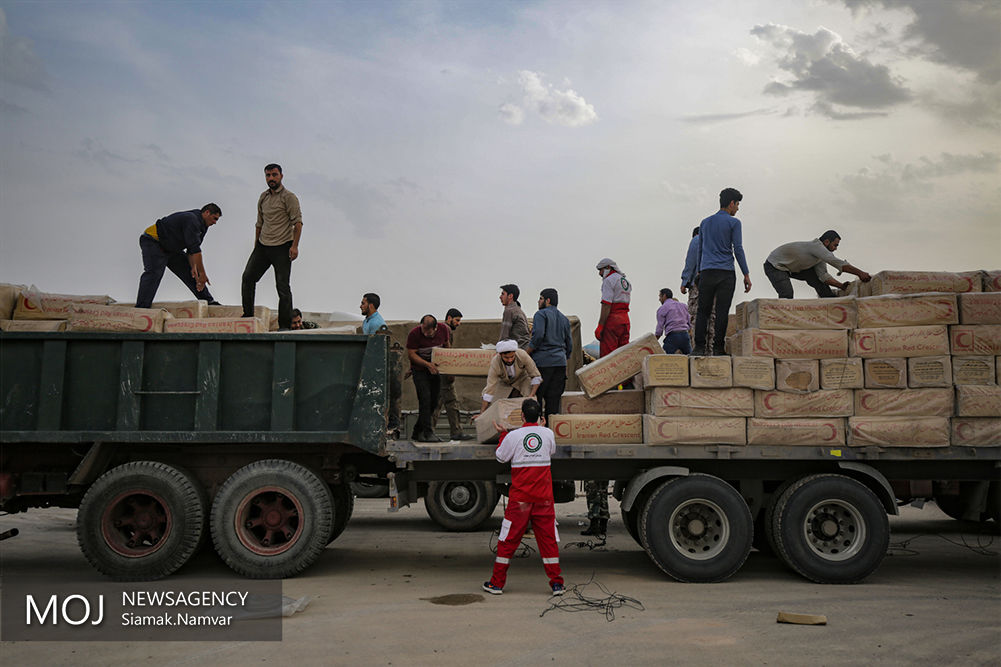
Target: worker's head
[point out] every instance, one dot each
(429, 324)
(665, 294)
(729, 200)
(606, 265)
(530, 410)
(211, 214)
(548, 297)
(831, 240)
(453, 318)
(370, 303)
(509, 293)
(296, 318)
(273, 175)
(508, 350)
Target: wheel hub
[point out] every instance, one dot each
(699, 529)
(135, 524)
(268, 521)
(834, 530)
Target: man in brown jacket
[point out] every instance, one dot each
(514, 324)
(512, 374)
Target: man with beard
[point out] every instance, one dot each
(175, 242)
(448, 400)
(550, 348)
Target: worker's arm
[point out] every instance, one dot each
(417, 361)
(198, 270)
(862, 275)
(293, 252)
(606, 308)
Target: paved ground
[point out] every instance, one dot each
(934, 601)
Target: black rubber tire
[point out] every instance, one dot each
(845, 505)
(677, 506)
(764, 538)
(631, 521)
(461, 506)
(344, 507)
(247, 534)
(365, 489)
(168, 506)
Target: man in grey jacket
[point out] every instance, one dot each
(805, 260)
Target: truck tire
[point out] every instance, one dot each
(764, 538)
(272, 519)
(141, 521)
(631, 520)
(344, 507)
(696, 528)
(831, 529)
(461, 506)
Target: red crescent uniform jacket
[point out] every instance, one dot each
(529, 449)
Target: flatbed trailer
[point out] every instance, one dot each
(166, 440)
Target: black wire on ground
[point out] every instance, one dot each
(591, 545)
(524, 549)
(574, 600)
(984, 540)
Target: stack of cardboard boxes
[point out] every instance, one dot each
(917, 366)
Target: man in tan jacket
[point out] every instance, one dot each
(512, 374)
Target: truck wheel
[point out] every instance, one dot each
(696, 528)
(460, 506)
(631, 520)
(764, 538)
(272, 519)
(141, 521)
(344, 507)
(366, 489)
(831, 529)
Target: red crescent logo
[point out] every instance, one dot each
(962, 429)
(844, 313)
(667, 398)
(561, 426)
(660, 429)
(969, 284)
(768, 401)
(864, 401)
(865, 342)
(27, 304)
(187, 312)
(759, 344)
(647, 349)
(571, 409)
(834, 432)
(149, 322)
(959, 339)
(244, 327)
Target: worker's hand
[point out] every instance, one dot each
(747, 284)
(598, 331)
(499, 428)
(684, 290)
(865, 277)
(293, 252)
(433, 369)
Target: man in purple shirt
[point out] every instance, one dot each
(672, 321)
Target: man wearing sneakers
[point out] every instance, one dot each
(530, 499)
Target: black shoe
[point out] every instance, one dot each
(462, 436)
(592, 529)
(428, 437)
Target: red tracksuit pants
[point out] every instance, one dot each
(616, 331)
(517, 516)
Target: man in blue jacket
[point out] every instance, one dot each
(175, 242)
(720, 242)
(550, 347)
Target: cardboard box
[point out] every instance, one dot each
(843, 373)
(696, 402)
(974, 370)
(32, 325)
(184, 309)
(8, 299)
(95, 317)
(885, 373)
(904, 402)
(798, 376)
(915, 282)
(32, 305)
(462, 361)
(506, 412)
(824, 403)
(898, 431)
(710, 372)
(836, 313)
(907, 311)
(665, 370)
(597, 429)
(978, 400)
(801, 432)
(753, 372)
(740, 315)
(618, 367)
(976, 431)
(236, 325)
(262, 313)
(980, 308)
(791, 344)
(926, 341)
(975, 339)
(625, 402)
(992, 280)
(929, 372)
(693, 430)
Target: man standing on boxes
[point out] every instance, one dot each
(720, 241)
(550, 348)
(427, 382)
(175, 242)
(512, 374)
(805, 260)
(448, 399)
(276, 244)
(529, 449)
(514, 324)
(690, 286)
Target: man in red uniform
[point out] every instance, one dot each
(529, 449)
(613, 323)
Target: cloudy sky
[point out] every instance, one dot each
(440, 149)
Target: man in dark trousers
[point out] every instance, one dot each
(427, 382)
(529, 449)
(550, 348)
(720, 241)
(276, 244)
(448, 399)
(175, 242)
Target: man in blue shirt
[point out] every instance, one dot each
(720, 241)
(550, 347)
(370, 309)
(175, 242)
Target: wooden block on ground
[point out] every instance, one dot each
(975, 339)
(462, 361)
(929, 402)
(597, 429)
(843, 373)
(618, 367)
(898, 431)
(710, 372)
(799, 431)
(976, 431)
(929, 372)
(791, 344)
(978, 400)
(801, 619)
(925, 341)
(798, 376)
(665, 370)
(693, 430)
(823, 403)
(885, 373)
(753, 372)
(625, 402)
(771, 314)
(697, 402)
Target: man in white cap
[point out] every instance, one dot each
(613, 323)
(512, 374)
